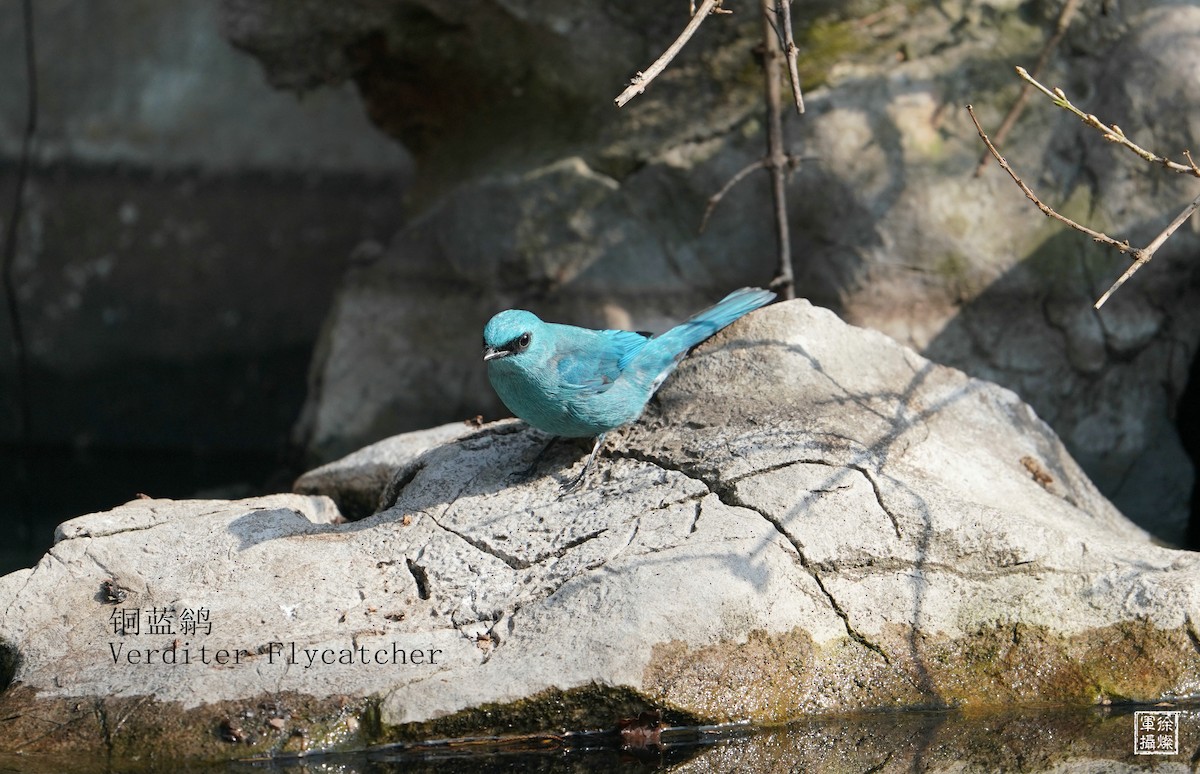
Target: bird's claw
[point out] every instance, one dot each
(573, 484)
(525, 473)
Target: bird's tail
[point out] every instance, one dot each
(703, 324)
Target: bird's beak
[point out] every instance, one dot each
(491, 353)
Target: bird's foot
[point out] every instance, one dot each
(574, 483)
(527, 472)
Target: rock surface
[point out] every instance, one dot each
(536, 191)
(812, 518)
(359, 480)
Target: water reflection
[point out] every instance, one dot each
(1058, 739)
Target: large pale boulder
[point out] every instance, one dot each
(810, 519)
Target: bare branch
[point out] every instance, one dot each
(716, 198)
(1010, 120)
(1146, 254)
(639, 82)
(1141, 256)
(776, 159)
(784, 9)
(8, 252)
(1045, 208)
(1111, 133)
(793, 162)
(1195, 169)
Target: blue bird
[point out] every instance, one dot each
(577, 382)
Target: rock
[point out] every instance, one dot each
(358, 481)
(810, 519)
(147, 513)
(889, 226)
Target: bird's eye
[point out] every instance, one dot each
(523, 342)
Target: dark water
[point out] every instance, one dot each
(41, 487)
(1058, 739)
(1046, 739)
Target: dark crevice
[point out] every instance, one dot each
(772, 469)
(10, 659)
(400, 479)
(420, 577)
(565, 547)
(1187, 424)
(101, 712)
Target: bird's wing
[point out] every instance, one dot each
(590, 360)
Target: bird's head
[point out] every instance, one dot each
(511, 334)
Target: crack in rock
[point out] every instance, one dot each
(730, 499)
(562, 550)
(866, 473)
(891, 564)
(514, 562)
(520, 565)
(879, 497)
(92, 525)
(725, 495)
(1189, 626)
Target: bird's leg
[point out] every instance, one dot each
(573, 483)
(528, 471)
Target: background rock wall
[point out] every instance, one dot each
(589, 214)
(184, 229)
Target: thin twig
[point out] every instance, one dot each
(793, 162)
(1111, 133)
(784, 9)
(892, 9)
(776, 160)
(1195, 169)
(1144, 255)
(639, 82)
(1045, 208)
(24, 430)
(715, 199)
(1010, 120)
(129, 712)
(1140, 256)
